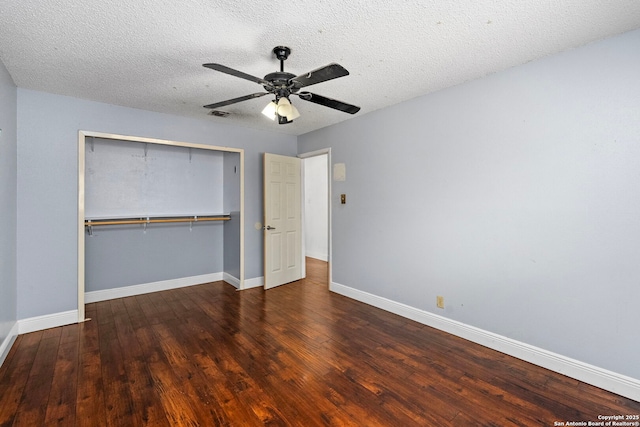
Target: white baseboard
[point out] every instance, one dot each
(145, 288)
(316, 255)
(256, 282)
(47, 321)
(232, 280)
(6, 344)
(599, 377)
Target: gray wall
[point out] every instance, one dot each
(516, 197)
(132, 179)
(124, 178)
(231, 203)
(8, 177)
(117, 256)
(47, 173)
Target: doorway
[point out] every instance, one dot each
(317, 214)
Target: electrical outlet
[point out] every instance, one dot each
(440, 301)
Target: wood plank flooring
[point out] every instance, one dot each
(296, 355)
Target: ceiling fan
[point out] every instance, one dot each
(282, 85)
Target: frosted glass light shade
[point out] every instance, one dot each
(270, 110)
(285, 109)
(294, 113)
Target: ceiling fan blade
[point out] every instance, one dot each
(234, 100)
(231, 71)
(322, 74)
(328, 102)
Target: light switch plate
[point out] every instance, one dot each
(339, 172)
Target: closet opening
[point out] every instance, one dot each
(156, 214)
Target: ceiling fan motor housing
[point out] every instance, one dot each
(281, 81)
(281, 86)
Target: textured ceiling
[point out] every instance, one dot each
(148, 54)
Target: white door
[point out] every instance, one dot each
(282, 220)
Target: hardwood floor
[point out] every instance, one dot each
(296, 355)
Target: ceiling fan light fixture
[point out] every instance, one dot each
(270, 110)
(282, 120)
(285, 109)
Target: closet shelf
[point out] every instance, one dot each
(92, 222)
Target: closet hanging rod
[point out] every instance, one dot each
(94, 222)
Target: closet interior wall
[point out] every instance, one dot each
(129, 179)
(232, 254)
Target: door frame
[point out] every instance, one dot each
(303, 156)
(82, 139)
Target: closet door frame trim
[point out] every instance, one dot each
(82, 137)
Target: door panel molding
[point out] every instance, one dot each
(283, 256)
